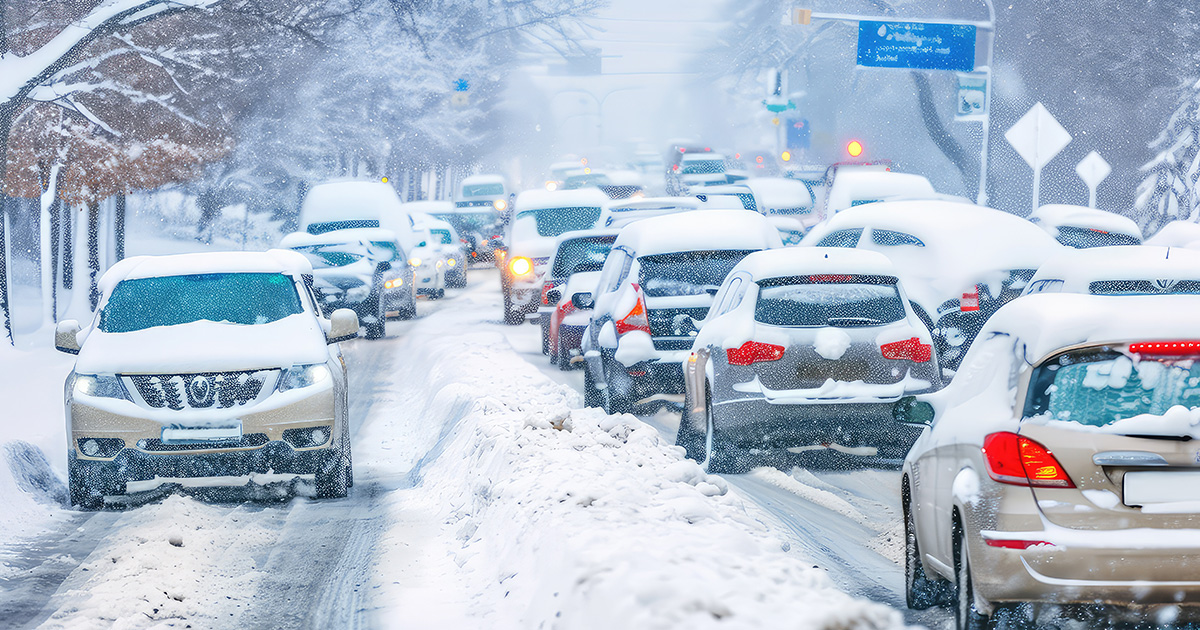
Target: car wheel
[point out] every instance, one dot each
(614, 402)
(591, 396)
(545, 326)
(966, 616)
(511, 317)
(333, 482)
(921, 592)
(373, 308)
(564, 359)
(84, 495)
(723, 456)
(693, 441)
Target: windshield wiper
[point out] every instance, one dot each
(1149, 436)
(850, 321)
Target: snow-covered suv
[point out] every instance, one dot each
(206, 365)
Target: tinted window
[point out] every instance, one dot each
(1083, 238)
(237, 298)
(581, 254)
(326, 256)
(687, 273)
(841, 238)
(1144, 287)
(703, 167)
(1099, 386)
(555, 221)
(891, 238)
(329, 226)
(844, 301)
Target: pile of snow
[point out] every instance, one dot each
(557, 516)
(1051, 217)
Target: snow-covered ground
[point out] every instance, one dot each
(485, 497)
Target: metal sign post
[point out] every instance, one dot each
(1038, 138)
(1092, 170)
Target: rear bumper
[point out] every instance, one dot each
(858, 427)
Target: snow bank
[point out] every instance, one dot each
(557, 516)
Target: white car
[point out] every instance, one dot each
(622, 213)
(959, 262)
(200, 366)
(854, 185)
(338, 205)
(805, 350)
(789, 204)
(541, 216)
(453, 250)
(655, 289)
(1177, 234)
(1082, 227)
(1120, 270)
(424, 250)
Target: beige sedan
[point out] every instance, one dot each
(1062, 465)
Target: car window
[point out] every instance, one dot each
(479, 190)
(616, 267)
(1048, 285)
(335, 255)
(555, 221)
(384, 250)
(234, 298)
(891, 238)
(843, 301)
(1144, 287)
(581, 254)
(442, 236)
(841, 238)
(1083, 238)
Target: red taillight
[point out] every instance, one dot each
(970, 301)
(637, 318)
(1015, 544)
(1018, 460)
(907, 350)
(546, 286)
(752, 352)
(1166, 348)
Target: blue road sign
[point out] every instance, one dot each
(799, 134)
(916, 45)
(461, 85)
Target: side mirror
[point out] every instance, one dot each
(343, 325)
(553, 296)
(583, 301)
(909, 410)
(66, 336)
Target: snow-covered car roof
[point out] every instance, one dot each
(304, 239)
(855, 185)
(538, 199)
(1078, 268)
(773, 193)
(428, 207)
(656, 203)
(1052, 216)
(566, 236)
(698, 231)
(271, 261)
(792, 261)
(348, 200)
(1048, 322)
(1176, 234)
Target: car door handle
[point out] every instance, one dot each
(1128, 458)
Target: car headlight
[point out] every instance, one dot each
(394, 283)
(300, 376)
(439, 264)
(451, 262)
(520, 266)
(100, 386)
(414, 261)
(500, 204)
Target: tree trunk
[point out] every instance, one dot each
(55, 249)
(4, 305)
(941, 136)
(68, 248)
(93, 244)
(119, 228)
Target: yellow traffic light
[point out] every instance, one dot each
(786, 156)
(854, 148)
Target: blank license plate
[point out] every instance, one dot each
(225, 432)
(1151, 487)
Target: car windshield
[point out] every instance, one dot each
(581, 254)
(703, 167)
(687, 273)
(326, 256)
(235, 298)
(1100, 386)
(842, 301)
(1083, 238)
(442, 236)
(480, 190)
(555, 221)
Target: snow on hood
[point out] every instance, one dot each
(204, 346)
(348, 200)
(1053, 216)
(699, 231)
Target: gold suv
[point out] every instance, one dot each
(203, 366)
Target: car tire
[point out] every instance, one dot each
(615, 403)
(333, 481)
(723, 456)
(373, 307)
(545, 326)
(564, 359)
(84, 495)
(921, 592)
(966, 617)
(511, 317)
(694, 442)
(591, 395)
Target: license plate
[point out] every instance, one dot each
(1160, 486)
(205, 434)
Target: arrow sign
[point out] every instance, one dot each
(1038, 138)
(1092, 170)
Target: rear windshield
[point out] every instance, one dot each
(687, 273)
(329, 226)
(1144, 287)
(841, 238)
(843, 301)
(236, 298)
(555, 221)
(337, 255)
(703, 167)
(478, 190)
(1082, 238)
(1100, 386)
(581, 254)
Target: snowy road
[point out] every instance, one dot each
(217, 560)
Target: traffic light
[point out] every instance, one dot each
(786, 156)
(854, 148)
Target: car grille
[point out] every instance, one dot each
(155, 445)
(200, 391)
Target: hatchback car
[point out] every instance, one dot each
(1120, 270)
(202, 366)
(805, 350)
(655, 289)
(1082, 227)
(578, 251)
(362, 269)
(453, 251)
(1060, 467)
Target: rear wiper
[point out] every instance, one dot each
(834, 321)
(1148, 436)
